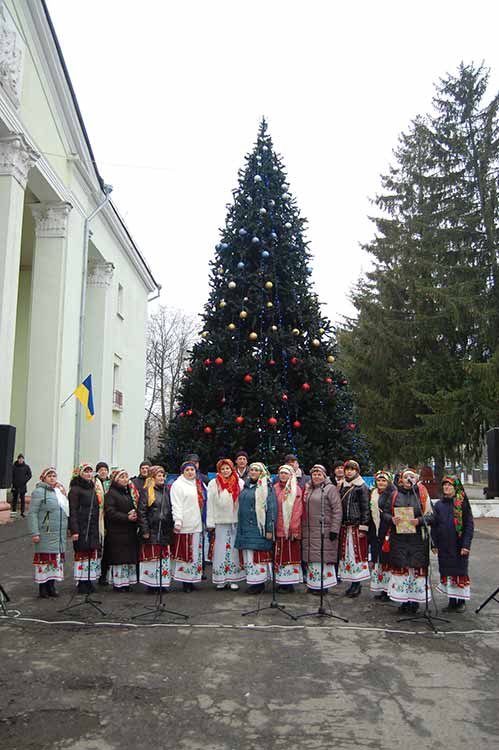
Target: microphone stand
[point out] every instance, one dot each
(4, 599)
(274, 604)
(426, 615)
(487, 600)
(88, 596)
(322, 612)
(159, 609)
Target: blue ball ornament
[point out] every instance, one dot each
(242, 232)
(265, 254)
(255, 240)
(224, 245)
(240, 264)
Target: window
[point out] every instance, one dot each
(114, 444)
(120, 309)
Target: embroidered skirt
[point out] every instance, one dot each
(81, 565)
(188, 556)
(455, 587)
(288, 561)
(48, 566)
(353, 565)
(122, 575)
(225, 557)
(408, 585)
(380, 577)
(155, 565)
(314, 575)
(256, 566)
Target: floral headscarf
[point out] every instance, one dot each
(78, 470)
(232, 483)
(149, 484)
(288, 496)
(261, 494)
(457, 502)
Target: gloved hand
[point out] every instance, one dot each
(178, 525)
(333, 535)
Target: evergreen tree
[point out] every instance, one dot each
(261, 377)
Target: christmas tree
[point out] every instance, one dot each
(262, 376)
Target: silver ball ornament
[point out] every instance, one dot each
(257, 178)
(263, 211)
(242, 232)
(240, 264)
(265, 254)
(288, 225)
(255, 240)
(232, 284)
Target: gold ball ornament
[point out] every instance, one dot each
(222, 303)
(243, 314)
(270, 304)
(322, 331)
(232, 284)
(205, 334)
(253, 336)
(269, 285)
(316, 342)
(231, 326)
(330, 359)
(295, 332)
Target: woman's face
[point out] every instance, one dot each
(254, 473)
(350, 473)
(339, 472)
(225, 471)
(317, 476)
(159, 479)
(88, 473)
(283, 477)
(51, 478)
(381, 484)
(122, 480)
(102, 473)
(449, 489)
(189, 472)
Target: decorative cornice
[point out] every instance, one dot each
(12, 50)
(51, 219)
(100, 274)
(17, 157)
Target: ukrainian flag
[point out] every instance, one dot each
(84, 394)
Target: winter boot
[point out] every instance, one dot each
(355, 590)
(51, 591)
(42, 591)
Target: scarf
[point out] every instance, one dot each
(199, 489)
(457, 502)
(62, 500)
(149, 484)
(232, 483)
(288, 496)
(261, 494)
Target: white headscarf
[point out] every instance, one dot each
(288, 496)
(261, 493)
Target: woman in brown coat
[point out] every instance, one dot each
(320, 493)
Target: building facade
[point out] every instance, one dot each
(49, 186)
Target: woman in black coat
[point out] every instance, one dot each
(452, 533)
(120, 509)
(86, 527)
(353, 566)
(156, 530)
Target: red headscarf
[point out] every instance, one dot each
(232, 483)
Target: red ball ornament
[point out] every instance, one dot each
(222, 400)
(305, 387)
(188, 413)
(219, 361)
(272, 421)
(181, 414)
(207, 430)
(207, 362)
(351, 425)
(294, 360)
(284, 396)
(271, 362)
(344, 382)
(240, 420)
(248, 378)
(328, 380)
(297, 424)
(189, 370)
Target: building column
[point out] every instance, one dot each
(98, 360)
(16, 160)
(43, 403)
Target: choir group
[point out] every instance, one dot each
(141, 529)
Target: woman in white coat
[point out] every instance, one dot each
(187, 499)
(221, 516)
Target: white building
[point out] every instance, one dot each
(49, 185)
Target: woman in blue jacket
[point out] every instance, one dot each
(256, 522)
(452, 532)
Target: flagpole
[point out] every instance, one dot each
(66, 400)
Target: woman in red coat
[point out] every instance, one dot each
(288, 531)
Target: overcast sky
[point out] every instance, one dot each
(172, 94)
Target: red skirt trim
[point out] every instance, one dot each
(41, 558)
(359, 544)
(153, 552)
(418, 572)
(460, 581)
(211, 547)
(287, 552)
(83, 556)
(182, 548)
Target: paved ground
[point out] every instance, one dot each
(224, 682)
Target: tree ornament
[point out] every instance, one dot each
(265, 253)
(271, 362)
(273, 328)
(232, 326)
(330, 359)
(220, 269)
(269, 285)
(322, 331)
(263, 211)
(182, 414)
(294, 360)
(188, 413)
(272, 203)
(273, 235)
(248, 378)
(284, 396)
(253, 336)
(249, 199)
(240, 419)
(205, 334)
(243, 314)
(288, 225)
(240, 265)
(270, 304)
(257, 178)
(222, 303)
(255, 240)
(245, 299)
(189, 370)
(295, 332)
(224, 246)
(242, 232)
(305, 387)
(208, 430)
(219, 361)
(222, 400)
(344, 382)
(351, 425)
(272, 421)
(207, 362)
(328, 380)
(265, 148)
(275, 168)
(316, 342)
(232, 285)
(297, 424)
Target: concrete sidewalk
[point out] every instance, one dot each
(224, 682)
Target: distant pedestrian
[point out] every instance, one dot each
(21, 474)
(48, 524)
(452, 533)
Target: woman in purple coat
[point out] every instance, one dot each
(451, 533)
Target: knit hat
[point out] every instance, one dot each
(101, 465)
(351, 464)
(382, 474)
(241, 453)
(48, 470)
(117, 473)
(319, 467)
(186, 464)
(191, 457)
(78, 470)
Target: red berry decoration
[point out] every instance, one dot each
(240, 420)
(294, 360)
(271, 362)
(284, 396)
(207, 430)
(207, 362)
(272, 421)
(328, 380)
(189, 370)
(305, 387)
(248, 378)
(297, 424)
(219, 361)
